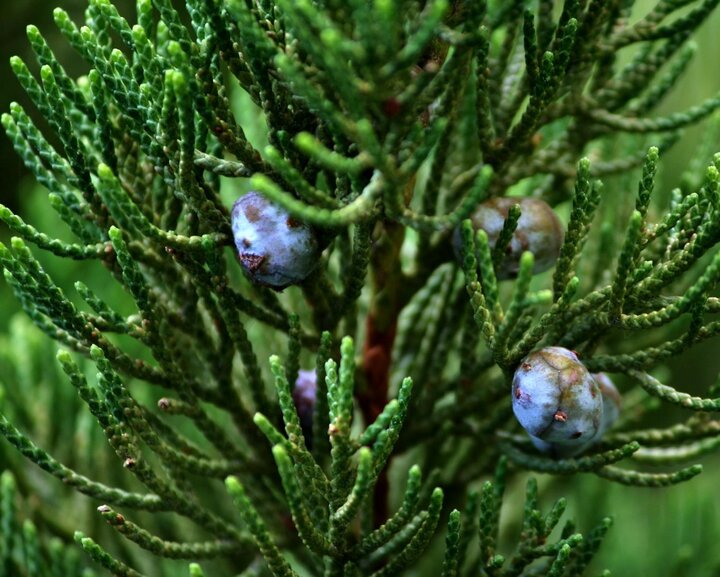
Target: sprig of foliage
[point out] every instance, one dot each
(384, 125)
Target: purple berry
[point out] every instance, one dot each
(612, 402)
(556, 399)
(538, 230)
(304, 394)
(274, 248)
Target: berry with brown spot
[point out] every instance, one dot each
(556, 399)
(274, 248)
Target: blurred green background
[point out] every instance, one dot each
(663, 532)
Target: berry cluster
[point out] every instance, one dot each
(563, 407)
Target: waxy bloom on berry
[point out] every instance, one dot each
(556, 399)
(274, 248)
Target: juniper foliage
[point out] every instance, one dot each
(384, 124)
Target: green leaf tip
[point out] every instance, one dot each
(527, 260)
(17, 243)
(32, 30)
(234, 486)
(260, 420)
(178, 80)
(46, 73)
(330, 37)
(96, 353)
(105, 172)
(63, 357)
(279, 452)
(304, 141)
(7, 481)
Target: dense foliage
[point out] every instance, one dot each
(377, 131)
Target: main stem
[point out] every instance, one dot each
(381, 328)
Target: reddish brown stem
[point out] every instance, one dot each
(372, 400)
(381, 328)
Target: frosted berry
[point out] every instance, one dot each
(538, 230)
(274, 248)
(304, 394)
(556, 399)
(611, 402)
